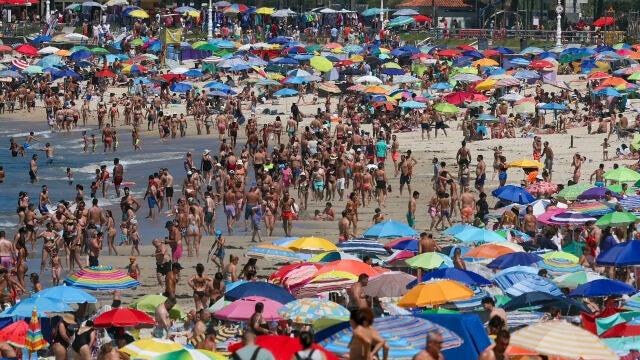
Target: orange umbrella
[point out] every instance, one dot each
(488, 251)
(599, 75)
(613, 81)
(376, 90)
(532, 177)
(435, 292)
(353, 267)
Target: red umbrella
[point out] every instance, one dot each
(458, 97)
(169, 77)
(540, 64)
(477, 98)
(345, 62)
(422, 18)
(524, 100)
(5, 48)
(105, 73)
(20, 64)
(282, 347)
(621, 330)
(542, 187)
(604, 21)
(491, 53)
(599, 75)
(465, 47)
(421, 56)
(123, 317)
(27, 49)
(15, 334)
(449, 53)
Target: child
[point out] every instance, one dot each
(70, 176)
(136, 140)
(378, 217)
(135, 238)
(85, 141)
(605, 152)
(56, 267)
(218, 255)
(94, 189)
(133, 269)
(124, 238)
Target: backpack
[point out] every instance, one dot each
(309, 357)
(254, 356)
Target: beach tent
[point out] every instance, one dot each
(469, 327)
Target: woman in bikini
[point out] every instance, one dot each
(198, 283)
(217, 288)
(56, 267)
(269, 216)
(231, 269)
(110, 230)
(23, 254)
(193, 232)
(51, 239)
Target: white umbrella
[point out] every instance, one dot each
(115, 2)
(405, 79)
(512, 97)
(406, 12)
(368, 79)
(389, 284)
(283, 13)
(179, 70)
(76, 37)
(327, 11)
(48, 50)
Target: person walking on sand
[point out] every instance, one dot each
(547, 152)
(598, 174)
(481, 175)
(411, 211)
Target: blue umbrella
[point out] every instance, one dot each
(441, 86)
(224, 44)
(412, 105)
(286, 61)
(68, 294)
(526, 74)
(66, 73)
(50, 61)
(181, 87)
(303, 57)
(264, 289)
(363, 246)
(603, 48)
(496, 70)
(608, 91)
(544, 301)
(392, 71)
(218, 93)
(461, 60)
(373, 11)
(534, 283)
(511, 276)
(352, 48)
(520, 61)
(41, 39)
(10, 73)
(532, 50)
(479, 236)
(43, 305)
(553, 106)
(503, 50)
(463, 276)
(390, 228)
(80, 55)
(279, 40)
(285, 92)
(407, 244)
(217, 85)
(458, 228)
(603, 287)
(408, 49)
(141, 81)
(514, 194)
(473, 54)
(623, 254)
(284, 242)
(296, 80)
(193, 72)
(513, 259)
(548, 54)
(183, 9)
(240, 67)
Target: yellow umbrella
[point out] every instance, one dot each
(337, 50)
(193, 13)
(526, 164)
(276, 77)
(391, 65)
(376, 90)
(336, 275)
(435, 292)
(467, 70)
(485, 62)
(485, 85)
(151, 347)
(560, 255)
(139, 14)
(356, 58)
(321, 63)
(265, 11)
(312, 244)
(62, 52)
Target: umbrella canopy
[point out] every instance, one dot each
(312, 244)
(150, 348)
(572, 192)
(488, 251)
(390, 228)
(44, 305)
(243, 309)
(308, 311)
(429, 260)
(276, 254)
(34, 340)
(544, 301)
(101, 278)
(623, 254)
(321, 63)
(123, 317)
(622, 174)
(26, 49)
(389, 284)
(534, 283)
(570, 218)
(264, 289)
(597, 193)
(514, 194)
(526, 164)
(363, 246)
(329, 256)
(603, 287)
(573, 280)
(617, 218)
(478, 235)
(404, 334)
(514, 259)
(542, 187)
(462, 276)
(283, 347)
(561, 339)
(511, 276)
(149, 303)
(191, 354)
(352, 267)
(68, 294)
(435, 292)
(446, 108)
(15, 334)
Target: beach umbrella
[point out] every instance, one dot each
(617, 218)
(412, 105)
(34, 340)
(540, 64)
(525, 164)
(603, 287)
(376, 90)
(525, 108)
(597, 193)
(533, 283)
(264, 289)
(441, 86)
(526, 74)
(48, 50)
(446, 108)
(514, 194)
(622, 174)
(509, 277)
(329, 256)
(26, 49)
(560, 255)
(265, 11)
(561, 339)
(105, 73)
(389, 229)
(341, 268)
(514, 259)
(404, 243)
(363, 246)
(321, 63)
(401, 21)
(141, 14)
(404, 334)
(150, 348)
(485, 62)
(312, 244)
(123, 317)
(553, 106)
(242, 309)
(308, 311)
(428, 260)
(276, 254)
(44, 305)
(15, 334)
(570, 218)
(467, 78)
(283, 347)
(101, 278)
(435, 292)
(68, 294)
(542, 187)
(557, 266)
(368, 79)
(66, 73)
(458, 228)
(149, 303)
(285, 92)
(489, 251)
(543, 301)
(462, 276)
(329, 87)
(389, 284)
(622, 254)
(573, 280)
(191, 354)
(511, 96)
(181, 87)
(33, 69)
(41, 39)
(477, 235)
(572, 192)
(532, 50)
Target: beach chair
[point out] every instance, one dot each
(622, 133)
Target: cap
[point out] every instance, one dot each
(168, 223)
(539, 177)
(189, 173)
(218, 233)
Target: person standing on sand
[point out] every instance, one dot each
(467, 206)
(411, 211)
(481, 175)
(577, 164)
(357, 297)
(163, 260)
(547, 152)
(598, 174)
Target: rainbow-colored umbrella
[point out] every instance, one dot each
(307, 311)
(101, 278)
(191, 354)
(34, 341)
(592, 208)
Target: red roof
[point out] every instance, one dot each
(438, 3)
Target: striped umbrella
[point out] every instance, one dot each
(571, 218)
(34, 341)
(592, 208)
(557, 266)
(630, 203)
(101, 278)
(20, 64)
(307, 311)
(312, 289)
(542, 187)
(533, 283)
(329, 256)
(329, 87)
(276, 254)
(242, 309)
(150, 348)
(191, 354)
(507, 278)
(561, 339)
(295, 273)
(572, 192)
(363, 246)
(404, 334)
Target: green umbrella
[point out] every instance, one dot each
(634, 76)
(137, 42)
(429, 260)
(149, 303)
(525, 108)
(33, 69)
(440, 311)
(446, 108)
(321, 63)
(606, 323)
(78, 48)
(616, 188)
(616, 218)
(573, 280)
(572, 192)
(574, 248)
(622, 174)
(207, 46)
(99, 51)
(313, 48)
